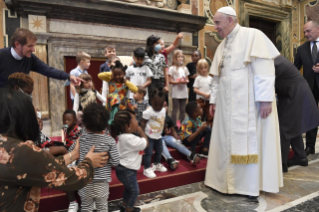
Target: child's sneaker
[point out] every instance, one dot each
(159, 167)
(149, 172)
(73, 207)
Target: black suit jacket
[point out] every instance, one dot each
(303, 58)
(297, 109)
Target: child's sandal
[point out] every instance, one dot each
(194, 158)
(173, 164)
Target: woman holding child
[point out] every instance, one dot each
(24, 167)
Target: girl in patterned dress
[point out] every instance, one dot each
(118, 88)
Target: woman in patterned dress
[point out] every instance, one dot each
(24, 167)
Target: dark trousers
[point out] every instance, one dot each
(296, 145)
(206, 134)
(157, 145)
(129, 180)
(311, 135)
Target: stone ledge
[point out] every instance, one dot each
(110, 12)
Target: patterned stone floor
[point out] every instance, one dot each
(300, 193)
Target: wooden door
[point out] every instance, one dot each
(267, 27)
(41, 93)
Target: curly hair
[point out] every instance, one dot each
(95, 117)
(121, 118)
(20, 79)
(119, 65)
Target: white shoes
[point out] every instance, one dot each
(150, 171)
(73, 207)
(159, 167)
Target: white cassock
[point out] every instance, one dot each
(244, 154)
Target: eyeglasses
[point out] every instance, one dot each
(30, 96)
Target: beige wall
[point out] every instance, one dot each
(2, 5)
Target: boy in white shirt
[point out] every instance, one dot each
(139, 74)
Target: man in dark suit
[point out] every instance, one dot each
(297, 111)
(308, 57)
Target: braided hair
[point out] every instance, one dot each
(121, 118)
(20, 79)
(159, 92)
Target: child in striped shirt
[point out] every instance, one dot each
(95, 119)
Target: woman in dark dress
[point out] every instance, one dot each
(24, 167)
(196, 56)
(297, 111)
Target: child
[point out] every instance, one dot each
(193, 130)
(152, 123)
(170, 138)
(109, 52)
(139, 74)
(86, 94)
(139, 104)
(71, 131)
(156, 62)
(166, 51)
(118, 88)
(45, 142)
(129, 147)
(83, 61)
(202, 87)
(105, 85)
(178, 77)
(95, 119)
(196, 55)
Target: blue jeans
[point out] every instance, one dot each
(129, 180)
(171, 142)
(157, 145)
(206, 134)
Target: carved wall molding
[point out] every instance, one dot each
(282, 16)
(311, 11)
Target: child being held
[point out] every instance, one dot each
(152, 123)
(86, 94)
(202, 88)
(129, 146)
(193, 130)
(178, 77)
(95, 119)
(139, 103)
(139, 74)
(118, 88)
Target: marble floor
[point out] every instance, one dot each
(300, 188)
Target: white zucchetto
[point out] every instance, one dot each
(227, 10)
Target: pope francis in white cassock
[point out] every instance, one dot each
(244, 154)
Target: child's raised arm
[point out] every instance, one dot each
(106, 76)
(76, 102)
(174, 44)
(100, 97)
